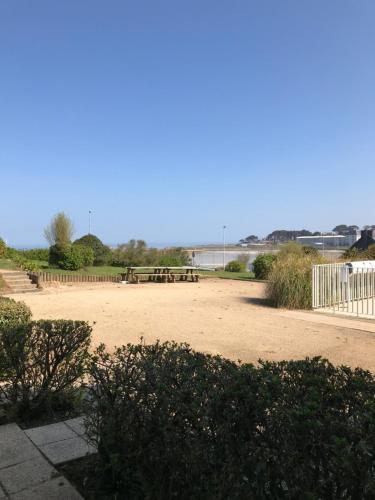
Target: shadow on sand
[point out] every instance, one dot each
(256, 301)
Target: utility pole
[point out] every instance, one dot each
(224, 228)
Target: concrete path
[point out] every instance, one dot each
(353, 323)
(27, 460)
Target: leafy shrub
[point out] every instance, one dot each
(12, 311)
(41, 254)
(235, 266)
(3, 248)
(102, 253)
(136, 253)
(170, 422)
(74, 257)
(55, 254)
(25, 264)
(262, 265)
(40, 359)
(173, 257)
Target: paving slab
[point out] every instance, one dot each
(50, 433)
(26, 474)
(69, 449)
(54, 489)
(77, 425)
(15, 447)
(2, 493)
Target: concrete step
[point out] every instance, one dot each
(19, 282)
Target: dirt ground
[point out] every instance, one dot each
(224, 317)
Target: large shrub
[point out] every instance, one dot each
(74, 257)
(3, 248)
(102, 253)
(235, 266)
(55, 254)
(262, 265)
(290, 281)
(41, 359)
(12, 311)
(173, 257)
(173, 423)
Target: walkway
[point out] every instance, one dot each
(27, 460)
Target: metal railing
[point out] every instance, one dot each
(344, 288)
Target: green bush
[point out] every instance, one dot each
(173, 423)
(262, 265)
(12, 311)
(102, 253)
(173, 257)
(41, 359)
(235, 266)
(74, 257)
(55, 254)
(3, 248)
(25, 264)
(41, 254)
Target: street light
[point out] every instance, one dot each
(89, 221)
(224, 228)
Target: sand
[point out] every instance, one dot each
(224, 317)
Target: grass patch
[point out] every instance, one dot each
(246, 276)
(7, 264)
(88, 271)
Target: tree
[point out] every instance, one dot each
(345, 230)
(102, 253)
(60, 230)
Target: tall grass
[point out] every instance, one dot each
(290, 280)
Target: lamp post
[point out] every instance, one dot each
(89, 221)
(224, 228)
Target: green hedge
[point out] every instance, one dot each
(40, 360)
(102, 253)
(262, 265)
(70, 257)
(12, 311)
(235, 266)
(170, 422)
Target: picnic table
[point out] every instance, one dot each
(164, 274)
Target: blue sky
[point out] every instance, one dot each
(171, 118)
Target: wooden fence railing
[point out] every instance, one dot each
(43, 277)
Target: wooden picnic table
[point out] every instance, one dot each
(160, 273)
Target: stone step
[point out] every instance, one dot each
(19, 282)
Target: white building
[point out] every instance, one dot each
(328, 241)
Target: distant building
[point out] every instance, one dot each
(328, 241)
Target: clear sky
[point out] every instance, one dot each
(171, 118)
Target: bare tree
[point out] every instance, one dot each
(60, 230)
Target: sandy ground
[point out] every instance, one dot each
(219, 316)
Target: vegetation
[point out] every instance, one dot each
(60, 230)
(170, 422)
(102, 253)
(40, 362)
(290, 279)
(345, 230)
(3, 248)
(41, 254)
(13, 312)
(74, 257)
(136, 253)
(355, 254)
(235, 266)
(262, 265)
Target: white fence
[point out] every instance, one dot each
(347, 288)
